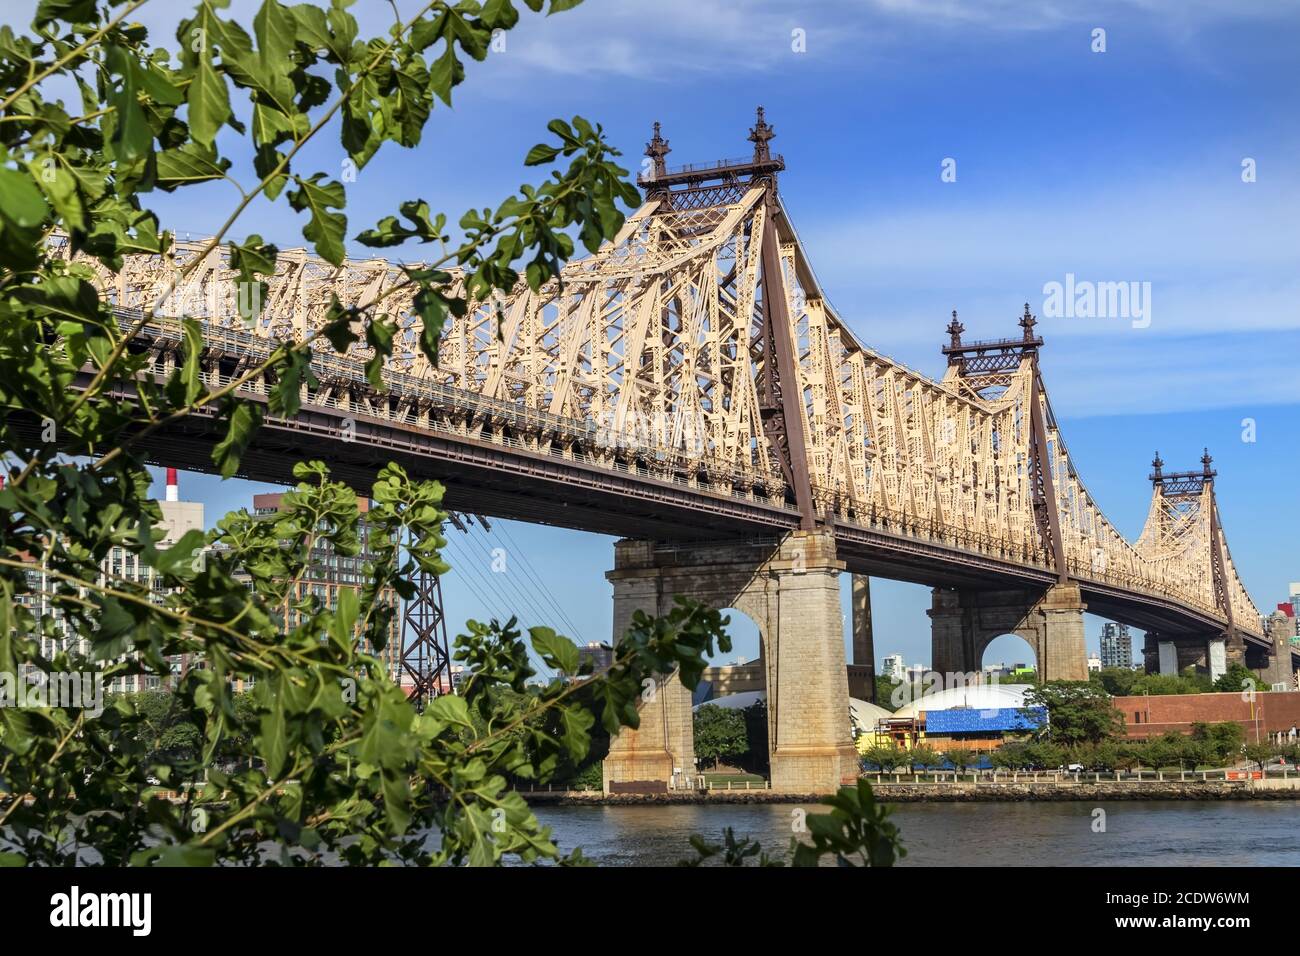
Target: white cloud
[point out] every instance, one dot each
(1222, 257)
(1088, 378)
(664, 39)
(1218, 253)
(1205, 219)
(1044, 14)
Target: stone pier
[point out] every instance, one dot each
(862, 673)
(1279, 671)
(790, 589)
(963, 623)
(1209, 654)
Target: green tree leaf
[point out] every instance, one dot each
(557, 651)
(320, 198)
(242, 422)
(209, 102)
(21, 203)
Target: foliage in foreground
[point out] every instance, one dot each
(856, 832)
(327, 761)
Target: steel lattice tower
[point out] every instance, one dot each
(425, 656)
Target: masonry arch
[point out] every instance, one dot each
(789, 588)
(750, 602)
(738, 680)
(740, 670)
(964, 623)
(1011, 648)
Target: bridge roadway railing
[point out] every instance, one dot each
(621, 455)
(411, 417)
(452, 399)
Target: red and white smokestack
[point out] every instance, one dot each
(173, 486)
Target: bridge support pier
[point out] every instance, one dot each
(791, 590)
(862, 675)
(662, 749)
(1164, 653)
(964, 623)
(1279, 668)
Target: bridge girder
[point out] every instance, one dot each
(653, 359)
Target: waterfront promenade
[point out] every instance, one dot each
(1002, 786)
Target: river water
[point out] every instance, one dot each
(1146, 833)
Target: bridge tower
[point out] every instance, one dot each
(789, 585)
(965, 620)
(1184, 519)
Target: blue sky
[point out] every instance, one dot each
(1117, 166)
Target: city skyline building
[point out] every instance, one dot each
(1291, 608)
(328, 573)
(119, 565)
(892, 666)
(1116, 646)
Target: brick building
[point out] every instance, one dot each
(1272, 713)
(330, 572)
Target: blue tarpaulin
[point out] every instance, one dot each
(973, 721)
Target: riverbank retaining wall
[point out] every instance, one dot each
(949, 792)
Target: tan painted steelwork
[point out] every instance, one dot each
(653, 350)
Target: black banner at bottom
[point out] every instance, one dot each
(336, 905)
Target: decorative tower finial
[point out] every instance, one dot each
(760, 134)
(1027, 322)
(1156, 465)
(1206, 461)
(954, 330)
(657, 149)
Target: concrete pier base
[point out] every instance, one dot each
(1207, 654)
(790, 588)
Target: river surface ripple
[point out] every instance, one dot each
(1136, 833)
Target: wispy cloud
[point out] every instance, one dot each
(1044, 14)
(1222, 258)
(661, 40)
(1090, 378)
(1218, 252)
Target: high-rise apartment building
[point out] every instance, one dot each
(120, 565)
(600, 655)
(892, 666)
(1116, 646)
(328, 573)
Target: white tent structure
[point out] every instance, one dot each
(972, 697)
(735, 701)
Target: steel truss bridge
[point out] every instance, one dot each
(692, 381)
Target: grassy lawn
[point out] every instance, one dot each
(720, 779)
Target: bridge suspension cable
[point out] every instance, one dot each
(490, 594)
(487, 596)
(483, 540)
(547, 594)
